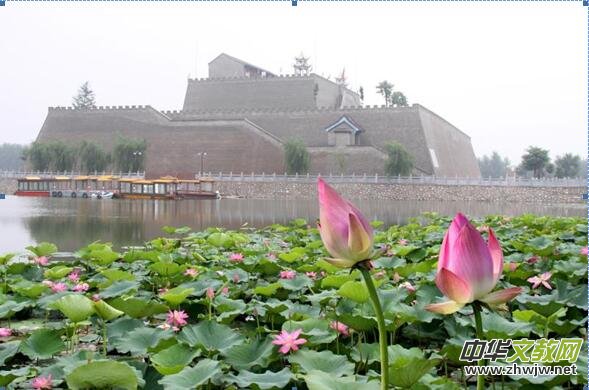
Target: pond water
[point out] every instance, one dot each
(73, 223)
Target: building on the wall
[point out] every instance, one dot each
(243, 115)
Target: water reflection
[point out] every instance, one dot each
(72, 223)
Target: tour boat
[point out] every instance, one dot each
(107, 187)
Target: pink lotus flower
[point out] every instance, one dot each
(380, 275)
(236, 257)
(96, 297)
(191, 272)
(81, 287)
(289, 341)
(5, 332)
(512, 266)
(177, 318)
(58, 287)
(42, 383)
(541, 279)
(311, 275)
(469, 268)
(47, 283)
(74, 277)
(532, 260)
(346, 233)
(42, 261)
(162, 290)
(210, 293)
(408, 286)
(290, 274)
(340, 328)
(235, 278)
(403, 242)
(225, 291)
(584, 251)
(396, 277)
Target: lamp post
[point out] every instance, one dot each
(202, 161)
(137, 155)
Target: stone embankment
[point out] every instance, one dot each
(7, 186)
(422, 192)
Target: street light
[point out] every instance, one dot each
(202, 160)
(137, 155)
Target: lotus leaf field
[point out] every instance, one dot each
(262, 309)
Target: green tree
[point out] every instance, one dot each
(11, 157)
(129, 155)
(38, 156)
(92, 157)
(63, 156)
(494, 165)
(398, 99)
(536, 160)
(582, 169)
(51, 156)
(567, 165)
(399, 160)
(85, 98)
(385, 89)
(296, 157)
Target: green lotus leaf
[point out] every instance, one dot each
(30, 289)
(119, 288)
(57, 272)
(138, 307)
(355, 291)
(43, 249)
(247, 356)
(192, 377)
(42, 344)
(267, 380)
(163, 268)
(102, 374)
(267, 290)
(8, 350)
(210, 335)
(176, 295)
(114, 275)
(138, 341)
(106, 311)
(318, 380)
(172, 360)
(325, 361)
(75, 307)
(6, 377)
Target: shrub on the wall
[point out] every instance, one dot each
(296, 157)
(399, 161)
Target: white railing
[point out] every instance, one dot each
(378, 179)
(49, 174)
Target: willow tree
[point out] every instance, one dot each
(129, 154)
(399, 160)
(93, 158)
(296, 157)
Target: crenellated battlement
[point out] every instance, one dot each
(284, 110)
(100, 108)
(242, 78)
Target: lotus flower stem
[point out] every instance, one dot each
(382, 332)
(476, 307)
(104, 339)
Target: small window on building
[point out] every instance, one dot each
(432, 153)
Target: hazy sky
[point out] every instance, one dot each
(509, 74)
